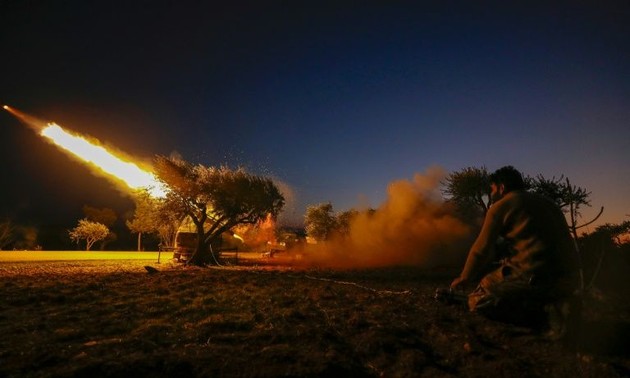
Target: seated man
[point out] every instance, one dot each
(541, 271)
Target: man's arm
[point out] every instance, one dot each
(481, 249)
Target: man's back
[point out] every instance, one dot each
(538, 234)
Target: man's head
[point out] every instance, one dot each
(505, 180)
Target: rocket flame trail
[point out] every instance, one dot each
(128, 172)
(34, 123)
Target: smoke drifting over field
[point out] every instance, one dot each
(414, 226)
(289, 210)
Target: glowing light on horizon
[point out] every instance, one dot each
(128, 172)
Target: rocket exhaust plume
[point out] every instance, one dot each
(91, 153)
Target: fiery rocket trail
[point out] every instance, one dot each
(128, 172)
(34, 123)
(132, 175)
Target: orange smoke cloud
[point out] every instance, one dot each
(414, 226)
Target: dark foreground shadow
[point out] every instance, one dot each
(609, 338)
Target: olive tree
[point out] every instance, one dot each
(320, 221)
(216, 199)
(89, 231)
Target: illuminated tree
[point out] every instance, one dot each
(144, 217)
(167, 225)
(320, 221)
(151, 216)
(104, 216)
(89, 231)
(216, 199)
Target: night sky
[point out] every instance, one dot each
(334, 99)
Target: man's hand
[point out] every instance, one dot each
(459, 283)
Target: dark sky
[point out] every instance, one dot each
(334, 99)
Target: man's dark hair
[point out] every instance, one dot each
(510, 177)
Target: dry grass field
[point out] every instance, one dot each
(114, 319)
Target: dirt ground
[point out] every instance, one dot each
(114, 318)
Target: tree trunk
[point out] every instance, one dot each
(139, 241)
(201, 256)
(207, 252)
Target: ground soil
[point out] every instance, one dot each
(116, 318)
